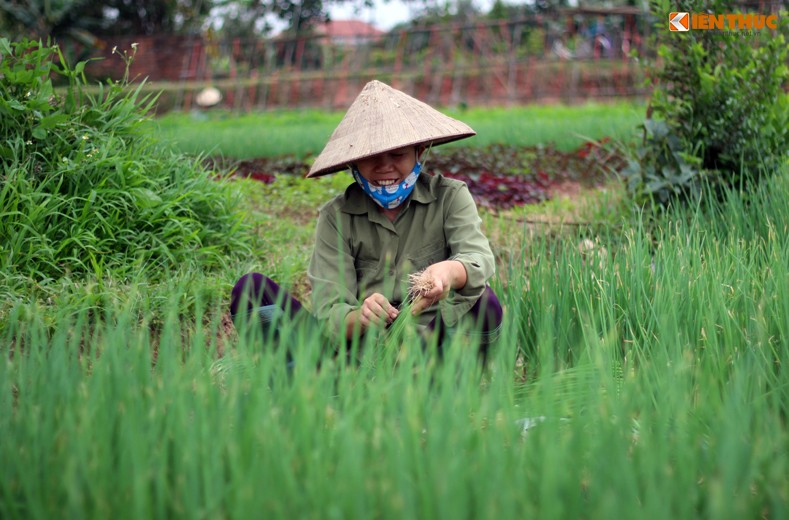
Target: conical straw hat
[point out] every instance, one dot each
(382, 119)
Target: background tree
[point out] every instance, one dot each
(138, 17)
(240, 18)
(57, 19)
(300, 15)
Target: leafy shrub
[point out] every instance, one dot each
(719, 112)
(85, 190)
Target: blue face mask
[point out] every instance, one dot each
(389, 197)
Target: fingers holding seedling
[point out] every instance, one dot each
(424, 290)
(434, 283)
(376, 310)
(421, 283)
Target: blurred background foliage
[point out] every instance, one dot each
(87, 20)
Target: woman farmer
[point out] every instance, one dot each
(393, 221)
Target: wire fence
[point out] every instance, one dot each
(578, 55)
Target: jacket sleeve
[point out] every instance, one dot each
(469, 246)
(332, 274)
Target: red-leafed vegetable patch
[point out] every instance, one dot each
(497, 176)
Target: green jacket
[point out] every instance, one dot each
(358, 251)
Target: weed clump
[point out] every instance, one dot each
(85, 191)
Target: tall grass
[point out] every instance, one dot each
(86, 192)
(304, 133)
(651, 384)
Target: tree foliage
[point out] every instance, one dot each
(138, 17)
(719, 112)
(57, 19)
(84, 20)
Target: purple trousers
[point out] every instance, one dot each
(255, 291)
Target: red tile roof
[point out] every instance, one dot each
(347, 29)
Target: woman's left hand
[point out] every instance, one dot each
(439, 279)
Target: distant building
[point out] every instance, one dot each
(349, 33)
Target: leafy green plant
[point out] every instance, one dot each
(660, 167)
(85, 190)
(718, 110)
